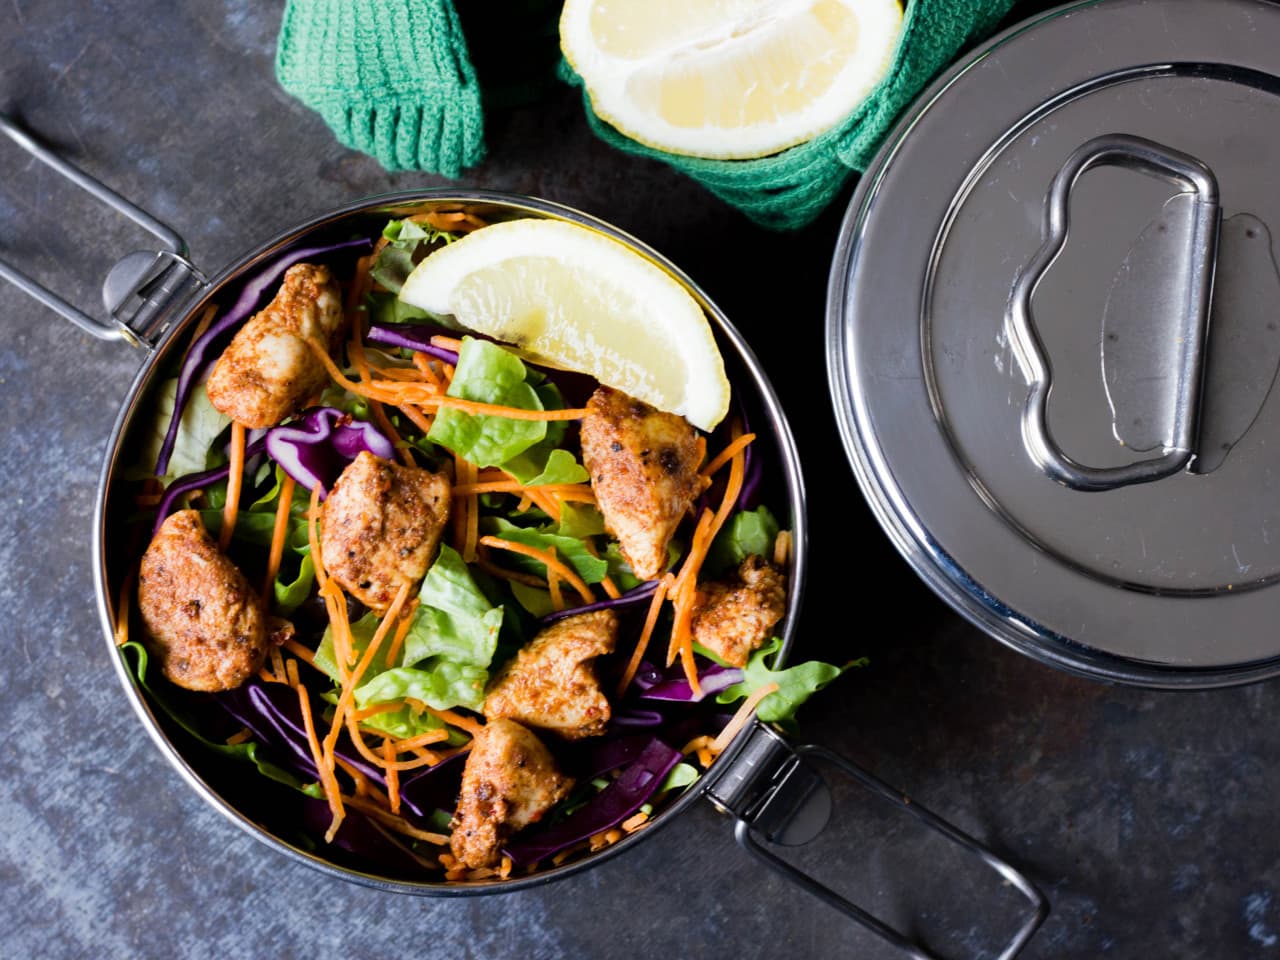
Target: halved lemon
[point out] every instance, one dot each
(728, 79)
(566, 295)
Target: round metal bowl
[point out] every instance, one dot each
(240, 794)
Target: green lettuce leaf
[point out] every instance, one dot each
(681, 775)
(747, 532)
(443, 685)
(537, 602)
(200, 426)
(410, 242)
(569, 549)
(795, 684)
(559, 466)
(580, 521)
(488, 374)
(454, 619)
(289, 595)
(388, 308)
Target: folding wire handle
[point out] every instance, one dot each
(139, 288)
(767, 788)
(1192, 323)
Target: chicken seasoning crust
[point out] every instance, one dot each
(476, 630)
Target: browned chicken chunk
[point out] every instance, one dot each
(733, 618)
(380, 527)
(551, 684)
(644, 471)
(509, 782)
(208, 627)
(267, 372)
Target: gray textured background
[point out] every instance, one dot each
(1149, 818)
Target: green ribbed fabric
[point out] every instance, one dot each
(392, 78)
(788, 190)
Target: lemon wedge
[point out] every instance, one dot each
(565, 295)
(728, 79)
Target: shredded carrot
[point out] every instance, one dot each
(696, 744)
(604, 839)
(240, 736)
(553, 585)
(291, 673)
(548, 558)
(472, 530)
(376, 710)
(447, 343)
(393, 775)
(421, 740)
(277, 538)
(402, 631)
(352, 681)
(635, 822)
(313, 537)
(727, 454)
(425, 758)
(299, 651)
(122, 608)
(461, 471)
(455, 720)
(397, 373)
(610, 588)
(427, 369)
(419, 419)
(425, 395)
(782, 548)
(266, 676)
(741, 717)
(236, 477)
(202, 327)
(277, 664)
(396, 823)
(504, 869)
(683, 591)
(650, 620)
(328, 781)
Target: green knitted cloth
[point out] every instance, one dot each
(392, 78)
(788, 190)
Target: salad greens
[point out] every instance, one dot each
(467, 619)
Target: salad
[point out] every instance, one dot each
(468, 615)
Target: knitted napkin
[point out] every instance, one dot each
(788, 190)
(392, 78)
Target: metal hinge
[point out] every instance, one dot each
(776, 796)
(142, 290)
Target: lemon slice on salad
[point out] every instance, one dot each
(568, 296)
(728, 79)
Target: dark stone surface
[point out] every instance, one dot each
(1149, 818)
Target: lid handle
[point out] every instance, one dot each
(772, 792)
(1192, 319)
(139, 287)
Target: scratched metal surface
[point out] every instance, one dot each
(1147, 817)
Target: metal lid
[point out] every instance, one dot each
(1071, 433)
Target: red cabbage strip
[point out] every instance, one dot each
(201, 356)
(194, 481)
(610, 754)
(412, 336)
(619, 800)
(315, 448)
(675, 688)
(632, 596)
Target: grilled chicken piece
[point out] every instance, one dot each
(268, 373)
(644, 471)
(734, 618)
(380, 527)
(509, 782)
(550, 684)
(208, 627)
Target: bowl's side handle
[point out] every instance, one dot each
(140, 287)
(773, 793)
